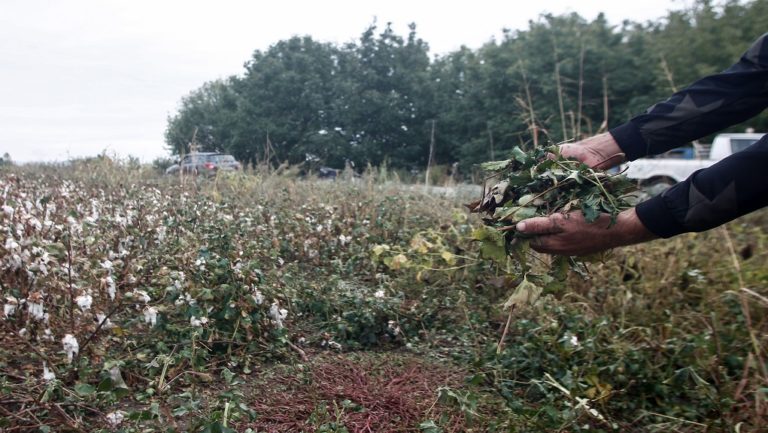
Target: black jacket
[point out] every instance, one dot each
(732, 187)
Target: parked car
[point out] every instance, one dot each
(207, 163)
(659, 173)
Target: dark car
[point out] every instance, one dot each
(208, 163)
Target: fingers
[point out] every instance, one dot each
(544, 244)
(541, 225)
(600, 152)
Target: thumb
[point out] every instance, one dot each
(539, 226)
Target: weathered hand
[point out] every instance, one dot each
(571, 235)
(600, 151)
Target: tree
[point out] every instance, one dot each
(376, 99)
(208, 115)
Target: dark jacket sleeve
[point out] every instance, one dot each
(710, 197)
(706, 106)
(734, 186)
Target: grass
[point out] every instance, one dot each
(264, 303)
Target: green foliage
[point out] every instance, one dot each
(560, 357)
(540, 183)
(562, 78)
(661, 337)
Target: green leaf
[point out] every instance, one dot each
(84, 389)
(493, 251)
(105, 385)
(575, 176)
(526, 293)
(430, 427)
(503, 213)
(526, 199)
(519, 155)
(495, 165)
(525, 213)
(590, 212)
(180, 411)
(228, 375)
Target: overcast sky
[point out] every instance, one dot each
(79, 77)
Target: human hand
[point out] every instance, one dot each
(601, 151)
(571, 235)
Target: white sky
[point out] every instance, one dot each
(79, 77)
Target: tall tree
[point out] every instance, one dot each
(208, 115)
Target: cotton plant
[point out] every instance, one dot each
(71, 346)
(150, 315)
(103, 321)
(141, 295)
(48, 375)
(277, 314)
(198, 322)
(35, 306)
(10, 306)
(84, 301)
(258, 297)
(115, 418)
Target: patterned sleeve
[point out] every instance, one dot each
(706, 106)
(713, 196)
(734, 186)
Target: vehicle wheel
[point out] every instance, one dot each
(658, 186)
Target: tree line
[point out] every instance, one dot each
(384, 99)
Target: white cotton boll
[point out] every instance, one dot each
(48, 334)
(198, 323)
(109, 283)
(258, 297)
(8, 211)
(35, 223)
(107, 264)
(9, 308)
(71, 347)
(277, 314)
(150, 316)
(11, 245)
(141, 295)
(343, 240)
(47, 374)
(15, 262)
(334, 345)
(103, 320)
(84, 302)
(161, 233)
(115, 418)
(379, 294)
(36, 310)
(393, 327)
(570, 340)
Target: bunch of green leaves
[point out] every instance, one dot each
(541, 182)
